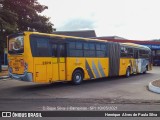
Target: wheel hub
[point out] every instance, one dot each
(77, 77)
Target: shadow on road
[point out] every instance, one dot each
(86, 83)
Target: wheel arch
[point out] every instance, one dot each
(79, 68)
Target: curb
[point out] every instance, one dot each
(4, 77)
(153, 88)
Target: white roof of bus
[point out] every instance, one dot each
(64, 36)
(135, 45)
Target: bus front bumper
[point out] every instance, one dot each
(25, 77)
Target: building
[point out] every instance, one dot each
(80, 33)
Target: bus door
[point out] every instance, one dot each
(42, 59)
(58, 61)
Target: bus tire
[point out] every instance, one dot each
(128, 72)
(77, 77)
(145, 71)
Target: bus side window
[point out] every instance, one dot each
(43, 48)
(75, 49)
(79, 45)
(86, 46)
(136, 54)
(61, 50)
(72, 45)
(124, 51)
(54, 50)
(91, 51)
(98, 46)
(142, 54)
(86, 49)
(130, 52)
(100, 50)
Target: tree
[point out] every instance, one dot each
(7, 20)
(7, 25)
(28, 15)
(22, 15)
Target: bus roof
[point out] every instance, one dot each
(135, 45)
(65, 36)
(82, 38)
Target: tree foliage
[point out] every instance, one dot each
(22, 15)
(7, 20)
(28, 15)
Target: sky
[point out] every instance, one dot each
(130, 19)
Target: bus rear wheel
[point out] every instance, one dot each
(77, 77)
(145, 71)
(128, 73)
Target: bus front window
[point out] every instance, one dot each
(16, 45)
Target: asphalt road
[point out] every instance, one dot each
(119, 94)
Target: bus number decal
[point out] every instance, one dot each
(46, 62)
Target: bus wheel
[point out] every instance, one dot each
(145, 71)
(77, 77)
(128, 73)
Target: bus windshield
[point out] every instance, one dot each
(16, 45)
